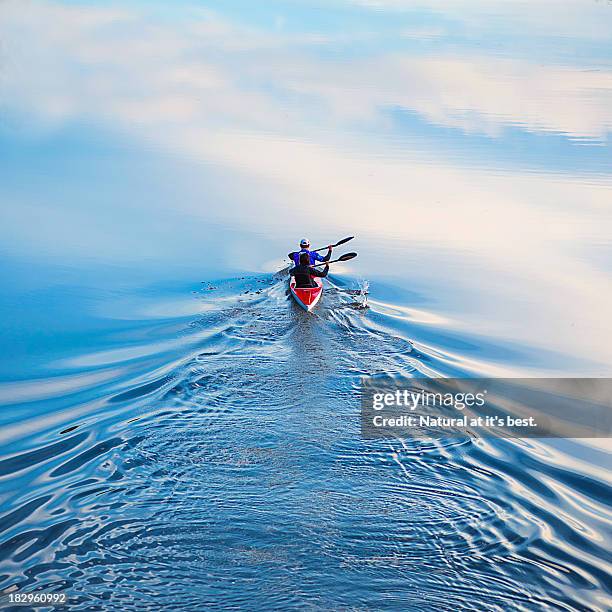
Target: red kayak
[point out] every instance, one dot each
(308, 297)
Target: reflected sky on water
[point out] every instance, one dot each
(466, 144)
(175, 432)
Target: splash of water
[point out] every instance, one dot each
(364, 289)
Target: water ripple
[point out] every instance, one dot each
(220, 476)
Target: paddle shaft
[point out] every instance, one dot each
(335, 245)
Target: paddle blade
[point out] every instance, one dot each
(343, 241)
(344, 257)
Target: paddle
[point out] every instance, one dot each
(291, 255)
(344, 257)
(335, 245)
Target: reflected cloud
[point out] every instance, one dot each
(105, 63)
(473, 94)
(293, 115)
(574, 18)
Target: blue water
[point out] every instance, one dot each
(175, 433)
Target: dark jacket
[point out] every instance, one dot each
(303, 275)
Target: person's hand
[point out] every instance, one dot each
(330, 247)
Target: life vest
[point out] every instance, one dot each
(296, 257)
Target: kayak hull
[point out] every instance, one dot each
(308, 297)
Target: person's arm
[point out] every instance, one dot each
(319, 273)
(292, 271)
(292, 255)
(318, 257)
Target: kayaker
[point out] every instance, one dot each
(304, 272)
(314, 256)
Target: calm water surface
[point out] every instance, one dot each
(175, 433)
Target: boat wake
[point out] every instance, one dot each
(214, 445)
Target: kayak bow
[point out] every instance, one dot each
(307, 297)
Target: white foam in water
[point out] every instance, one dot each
(364, 286)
